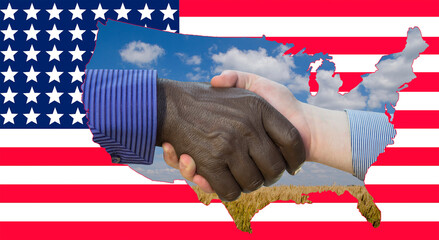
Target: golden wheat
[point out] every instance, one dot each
(243, 209)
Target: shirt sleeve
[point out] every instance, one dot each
(121, 107)
(371, 132)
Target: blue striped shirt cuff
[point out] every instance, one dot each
(121, 108)
(371, 132)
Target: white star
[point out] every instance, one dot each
(168, 29)
(31, 75)
(54, 12)
(54, 95)
(168, 12)
(54, 54)
(76, 54)
(77, 33)
(95, 32)
(31, 54)
(76, 96)
(146, 12)
(9, 96)
(31, 116)
(54, 75)
(9, 12)
(54, 33)
(31, 12)
(54, 117)
(99, 13)
(76, 75)
(31, 33)
(31, 96)
(9, 33)
(77, 12)
(77, 116)
(122, 12)
(9, 75)
(9, 54)
(8, 116)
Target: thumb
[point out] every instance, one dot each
(231, 78)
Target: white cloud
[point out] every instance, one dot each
(394, 72)
(278, 68)
(192, 60)
(197, 76)
(141, 53)
(212, 49)
(255, 61)
(328, 96)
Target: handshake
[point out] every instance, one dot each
(235, 135)
(238, 141)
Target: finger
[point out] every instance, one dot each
(286, 137)
(231, 78)
(222, 182)
(187, 167)
(273, 92)
(188, 171)
(203, 183)
(246, 173)
(269, 160)
(169, 155)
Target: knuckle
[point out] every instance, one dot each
(254, 185)
(221, 145)
(275, 172)
(230, 196)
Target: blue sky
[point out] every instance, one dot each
(199, 58)
(115, 36)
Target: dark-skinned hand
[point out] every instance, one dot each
(238, 141)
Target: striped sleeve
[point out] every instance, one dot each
(121, 108)
(371, 132)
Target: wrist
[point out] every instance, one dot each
(330, 141)
(162, 88)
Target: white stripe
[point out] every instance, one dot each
(125, 175)
(46, 138)
(426, 63)
(404, 137)
(367, 62)
(401, 212)
(194, 212)
(403, 175)
(416, 138)
(113, 212)
(118, 174)
(308, 26)
(418, 100)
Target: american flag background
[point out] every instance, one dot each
(56, 183)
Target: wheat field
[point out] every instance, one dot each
(243, 209)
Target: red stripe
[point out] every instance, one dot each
(54, 156)
(352, 45)
(125, 193)
(416, 119)
(404, 193)
(321, 8)
(97, 193)
(185, 194)
(217, 230)
(424, 82)
(408, 157)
